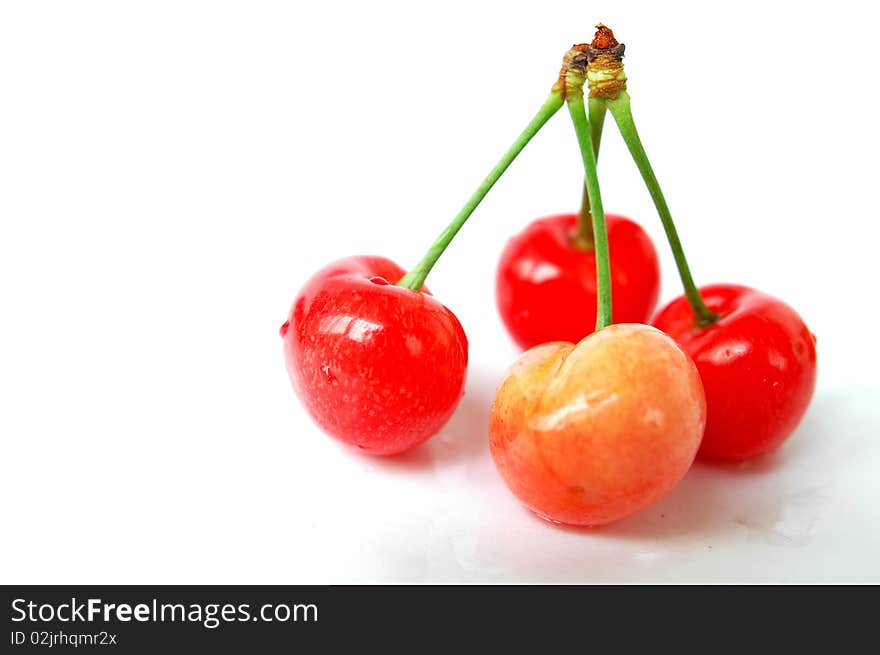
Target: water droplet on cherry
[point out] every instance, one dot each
(378, 279)
(284, 328)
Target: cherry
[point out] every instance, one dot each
(590, 433)
(758, 365)
(546, 279)
(378, 366)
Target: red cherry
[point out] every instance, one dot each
(376, 365)
(546, 285)
(757, 363)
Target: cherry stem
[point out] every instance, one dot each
(584, 237)
(415, 278)
(620, 109)
(582, 128)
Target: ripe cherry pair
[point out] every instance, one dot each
(583, 434)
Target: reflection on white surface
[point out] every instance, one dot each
(771, 520)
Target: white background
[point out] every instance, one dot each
(171, 173)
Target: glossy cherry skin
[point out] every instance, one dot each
(757, 363)
(377, 366)
(587, 434)
(546, 286)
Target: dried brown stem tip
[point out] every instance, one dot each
(604, 39)
(605, 76)
(573, 71)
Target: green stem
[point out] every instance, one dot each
(415, 278)
(597, 110)
(600, 236)
(620, 109)
(585, 220)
